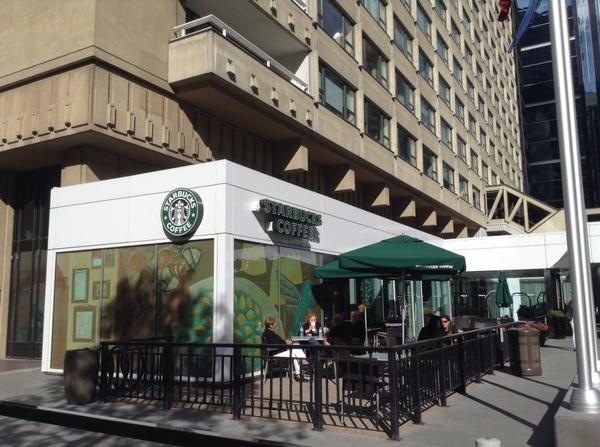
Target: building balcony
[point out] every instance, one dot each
(211, 64)
(271, 25)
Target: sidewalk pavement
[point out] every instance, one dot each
(14, 364)
(516, 410)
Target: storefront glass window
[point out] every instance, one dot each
(278, 282)
(132, 292)
(184, 306)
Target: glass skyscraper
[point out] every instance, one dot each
(540, 133)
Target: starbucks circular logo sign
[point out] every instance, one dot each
(181, 213)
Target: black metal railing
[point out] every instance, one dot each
(361, 387)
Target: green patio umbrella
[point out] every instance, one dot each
(402, 254)
(332, 270)
(503, 297)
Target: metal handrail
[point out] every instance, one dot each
(229, 33)
(523, 294)
(485, 299)
(301, 4)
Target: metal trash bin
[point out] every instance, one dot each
(524, 348)
(80, 375)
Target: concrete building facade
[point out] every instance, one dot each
(404, 108)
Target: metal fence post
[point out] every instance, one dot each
(394, 396)
(479, 359)
(492, 337)
(103, 372)
(443, 399)
(498, 349)
(417, 386)
(168, 376)
(462, 389)
(236, 407)
(317, 390)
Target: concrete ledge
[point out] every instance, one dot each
(573, 428)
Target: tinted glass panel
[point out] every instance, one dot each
(132, 292)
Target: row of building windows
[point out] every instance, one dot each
(424, 23)
(407, 150)
(339, 97)
(430, 169)
(337, 25)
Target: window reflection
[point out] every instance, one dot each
(274, 281)
(336, 24)
(132, 292)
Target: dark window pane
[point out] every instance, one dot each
(544, 172)
(543, 131)
(540, 113)
(538, 93)
(545, 151)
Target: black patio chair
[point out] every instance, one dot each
(274, 366)
(362, 387)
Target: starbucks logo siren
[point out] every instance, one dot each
(181, 213)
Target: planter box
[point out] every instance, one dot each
(559, 326)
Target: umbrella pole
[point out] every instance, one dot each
(395, 301)
(450, 299)
(366, 343)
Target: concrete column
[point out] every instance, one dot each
(7, 185)
(223, 300)
(223, 289)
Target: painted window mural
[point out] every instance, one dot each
(274, 281)
(132, 292)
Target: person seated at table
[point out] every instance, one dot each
(339, 332)
(270, 337)
(357, 328)
(446, 325)
(312, 328)
(432, 329)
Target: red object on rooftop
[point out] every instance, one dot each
(504, 10)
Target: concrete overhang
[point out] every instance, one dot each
(252, 22)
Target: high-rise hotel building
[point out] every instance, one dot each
(405, 108)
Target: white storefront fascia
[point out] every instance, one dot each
(520, 252)
(127, 211)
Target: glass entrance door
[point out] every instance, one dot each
(28, 266)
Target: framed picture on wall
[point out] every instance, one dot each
(84, 323)
(101, 289)
(96, 259)
(109, 257)
(79, 291)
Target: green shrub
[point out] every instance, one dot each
(556, 313)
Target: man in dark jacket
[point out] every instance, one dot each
(357, 329)
(339, 333)
(432, 329)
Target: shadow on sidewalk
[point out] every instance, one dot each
(545, 429)
(543, 433)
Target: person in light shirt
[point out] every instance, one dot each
(312, 328)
